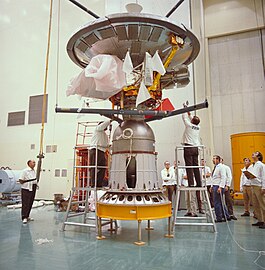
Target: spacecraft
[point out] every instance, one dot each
(138, 44)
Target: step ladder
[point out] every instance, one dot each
(88, 220)
(79, 197)
(208, 218)
(75, 192)
(81, 189)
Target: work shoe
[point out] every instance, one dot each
(233, 217)
(201, 211)
(188, 214)
(258, 223)
(262, 226)
(246, 214)
(25, 221)
(218, 221)
(30, 219)
(194, 215)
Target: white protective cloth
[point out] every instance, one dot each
(102, 78)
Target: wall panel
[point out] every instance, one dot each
(237, 87)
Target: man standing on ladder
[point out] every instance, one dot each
(191, 139)
(98, 147)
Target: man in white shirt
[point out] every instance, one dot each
(245, 187)
(218, 186)
(179, 177)
(28, 183)
(181, 172)
(258, 189)
(228, 198)
(207, 180)
(191, 139)
(169, 180)
(98, 146)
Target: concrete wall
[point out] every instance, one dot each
(238, 87)
(231, 16)
(231, 56)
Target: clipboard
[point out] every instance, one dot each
(249, 175)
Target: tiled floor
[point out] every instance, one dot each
(77, 248)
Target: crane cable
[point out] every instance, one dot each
(44, 101)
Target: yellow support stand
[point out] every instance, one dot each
(139, 242)
(100, 236)
(111, 229)
(169, 233)
(149, 228)
(135, 212)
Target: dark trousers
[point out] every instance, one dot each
(199, 201)
(218, 205)
(191, 155)
(27, 198)
(101, 161)
(210, 196)
(229, 202)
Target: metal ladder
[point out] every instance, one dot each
(88, 220)
(208, 219)
(75, 192)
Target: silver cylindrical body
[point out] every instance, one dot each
(133, 165)
(9, 181)
(133, 136)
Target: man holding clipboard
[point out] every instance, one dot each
(256, 173)
(249, 175)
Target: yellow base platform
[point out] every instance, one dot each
(134, 212)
